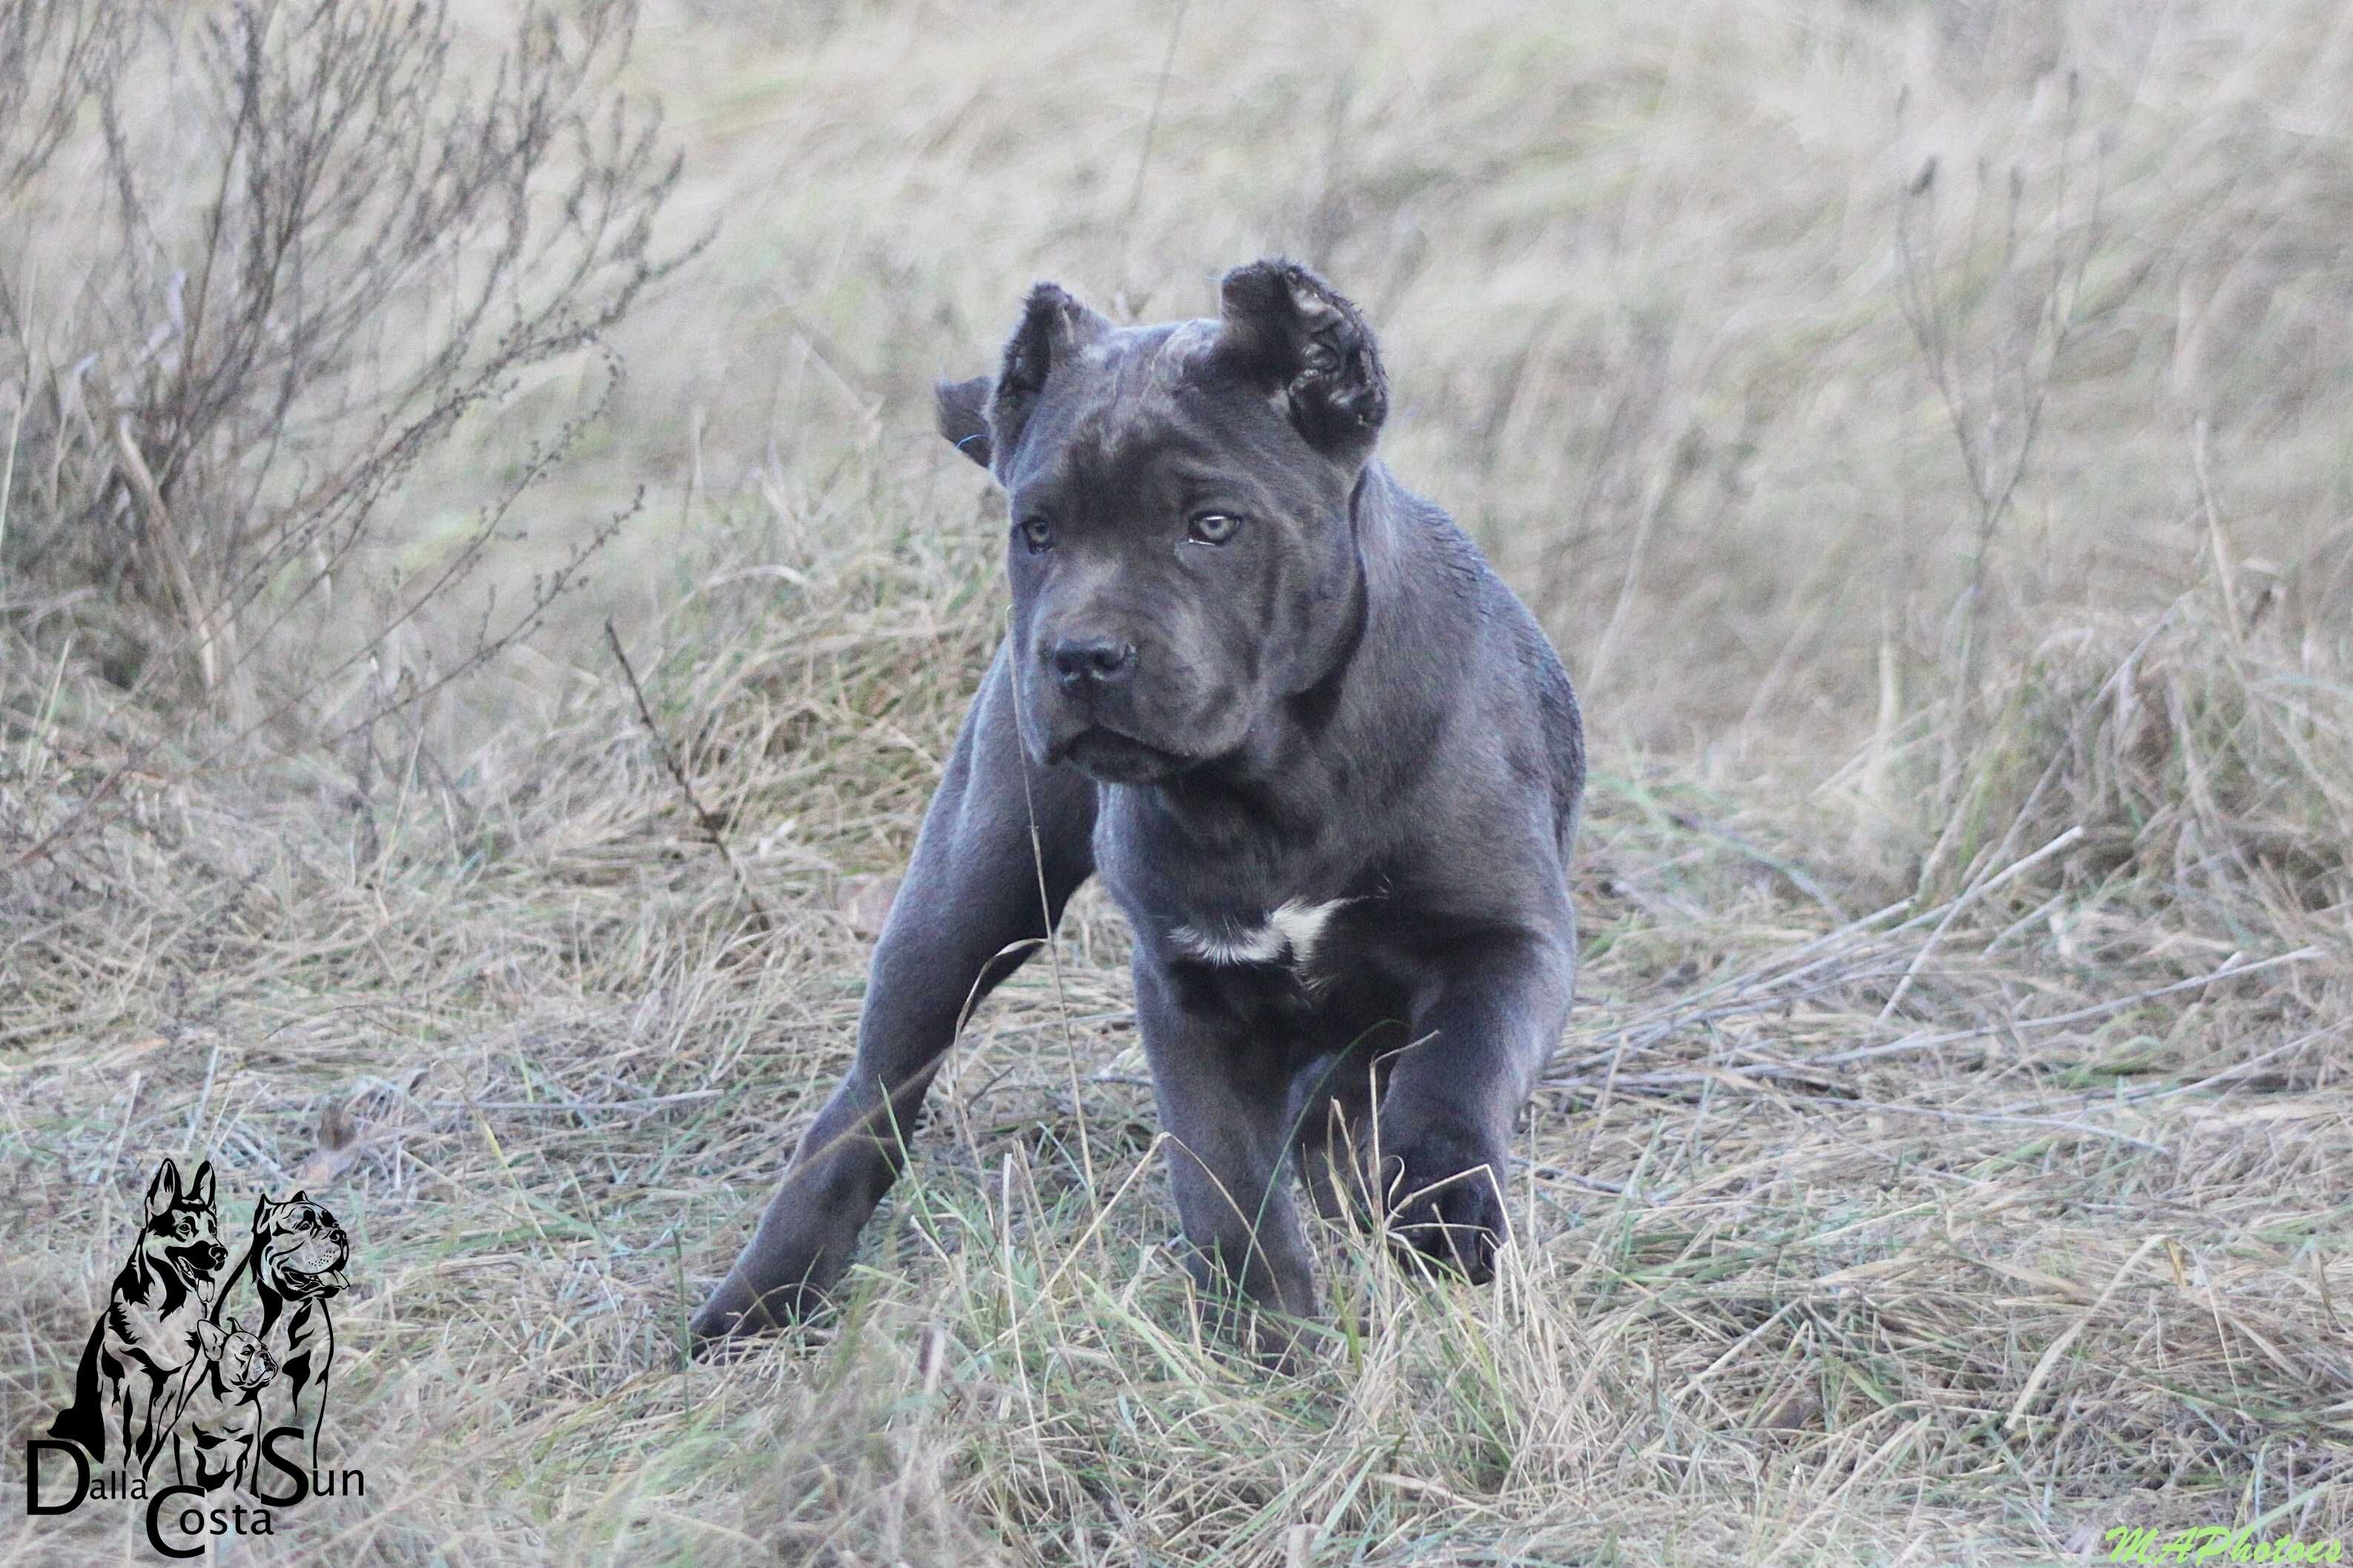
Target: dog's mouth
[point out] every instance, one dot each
(198, 1265)
(1111, 757)
(301, 1282)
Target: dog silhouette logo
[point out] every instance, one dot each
(296, 1259)
(202, 1389)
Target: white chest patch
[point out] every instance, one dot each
(1291, 932)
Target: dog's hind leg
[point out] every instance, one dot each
(996, 861)
(84, 1421)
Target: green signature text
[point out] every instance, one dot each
(2213, 1543)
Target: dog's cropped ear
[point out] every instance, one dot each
(212, 1336)
(1053, 327)
(164, 1190)
(964, 415)
(1293, 336)
(202, 1190)
(262, 1209)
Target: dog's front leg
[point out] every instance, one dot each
(1483, 1030)
(1222, 1094)
(967, 914)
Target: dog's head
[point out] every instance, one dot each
(299, 1249)
(182, 1235)
(245, 1364)
(1182, 549)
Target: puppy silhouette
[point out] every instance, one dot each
(212, 1437)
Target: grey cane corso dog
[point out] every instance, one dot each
(1323, 759)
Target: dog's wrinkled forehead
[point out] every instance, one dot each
(1125, 391)
(298, 1214)
(1144, 361)
(1152, 396)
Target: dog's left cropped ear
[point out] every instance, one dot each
(964, 415)
(1054, 328)
(1293, 335)
(201, 1191)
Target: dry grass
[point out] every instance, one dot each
(1947, 1163)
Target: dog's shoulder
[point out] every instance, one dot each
(1510, 688)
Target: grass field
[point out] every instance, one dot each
(1926, 431)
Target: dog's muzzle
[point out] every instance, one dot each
(200, 1261)
(1087, 666)
(1090, 716)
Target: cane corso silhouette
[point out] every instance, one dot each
(297, 1261)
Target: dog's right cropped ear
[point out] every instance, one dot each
(164, 1190)
(964, 415)
(1054, 327)
(212, 1336)
(262, 1209)
(1293, 336)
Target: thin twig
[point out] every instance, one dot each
(1152, 126)
(706, 819)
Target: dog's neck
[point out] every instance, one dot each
(1327, 666)
(147, 1275)
(293, 1311)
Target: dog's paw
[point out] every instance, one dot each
(732, 1320)
(1445, 1192)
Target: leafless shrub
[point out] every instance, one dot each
(328, 243)
(1991, 320)
(1991, 301)
(50, 57)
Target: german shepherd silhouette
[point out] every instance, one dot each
(147, 1338)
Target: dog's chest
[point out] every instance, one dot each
(1253, 920)
(1288, 936)
(1318, 966)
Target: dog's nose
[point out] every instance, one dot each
(1101, 662)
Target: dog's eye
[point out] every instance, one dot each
(1213, 527)
(1037, 534)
